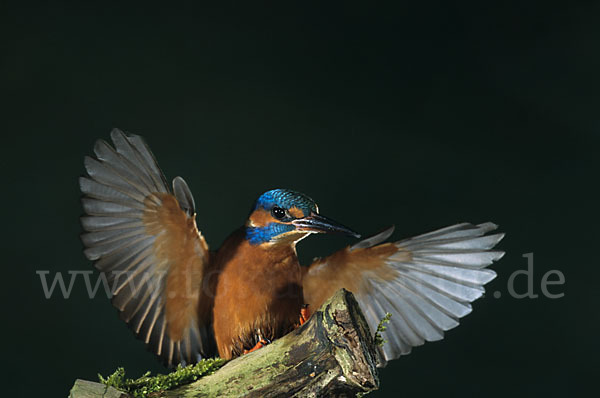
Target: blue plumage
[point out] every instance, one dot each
(258, 235)
(286, 198)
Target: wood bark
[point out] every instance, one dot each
(331, 355)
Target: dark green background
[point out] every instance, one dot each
(418, 115)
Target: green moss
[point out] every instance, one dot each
(148, 386)
(381, 328)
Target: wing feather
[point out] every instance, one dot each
(146, 242)
(426, 282)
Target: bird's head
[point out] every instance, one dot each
(283, 215)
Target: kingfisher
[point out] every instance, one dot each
(187, 302)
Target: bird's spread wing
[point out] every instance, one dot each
(144, 239)
(427, 282)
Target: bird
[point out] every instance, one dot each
(187, 302)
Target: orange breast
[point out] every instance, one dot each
(258, 294)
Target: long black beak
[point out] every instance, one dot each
(320, 224)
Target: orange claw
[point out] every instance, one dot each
(261, 343)
(304, 314)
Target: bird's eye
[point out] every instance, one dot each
(278, 212)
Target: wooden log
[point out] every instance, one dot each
(89, 389)
(333, 354)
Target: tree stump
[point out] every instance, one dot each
(333, 354)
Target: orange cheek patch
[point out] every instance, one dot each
(296, 212)
(261, 217)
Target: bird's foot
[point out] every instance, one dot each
(304, 314)
(261, 343)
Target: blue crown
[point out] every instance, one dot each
(286, 198)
